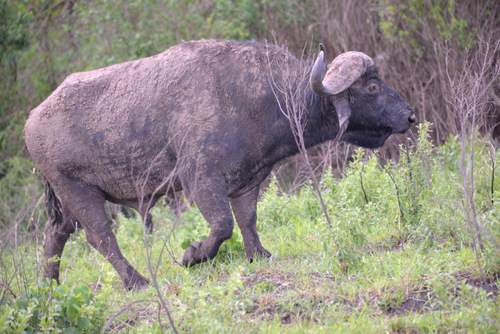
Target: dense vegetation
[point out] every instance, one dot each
(413, 242)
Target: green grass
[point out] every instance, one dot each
(386, 266)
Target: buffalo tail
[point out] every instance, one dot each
(52, 205)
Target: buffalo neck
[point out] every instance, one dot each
(318, 123)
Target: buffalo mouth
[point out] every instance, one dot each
(375, 136)
(401, 129)
(368, 138)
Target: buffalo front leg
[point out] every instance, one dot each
(245, 211)
(213, 203)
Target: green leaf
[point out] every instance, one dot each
(72, 312)
(61, 291)
(82, 292)
(83, 323)
(185, 244)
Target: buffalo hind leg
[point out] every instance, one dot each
(245, 212)
(57, 232)
(87, 204)
(100, 235)
(213, 203)
(143, 207)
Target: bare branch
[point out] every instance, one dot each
(125, 308)
(295, 110)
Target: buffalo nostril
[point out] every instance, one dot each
(412, 118)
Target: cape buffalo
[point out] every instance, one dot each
(208, 117)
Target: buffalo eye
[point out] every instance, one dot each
(372, 88)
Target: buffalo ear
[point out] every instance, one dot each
(342, 72)
(343, 109)
(333, 81)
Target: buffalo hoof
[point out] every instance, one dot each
(259, 254)
(194, 254)
(137, 283)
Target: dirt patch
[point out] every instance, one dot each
(289, 317)
(271, 312)
(489, 285)
(270, 287)
(416, 302)
(421, 301)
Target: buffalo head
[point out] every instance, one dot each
(369, 111)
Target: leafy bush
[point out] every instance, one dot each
(20, 193)
(48, 308)
(400, 22)
(385, 205)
